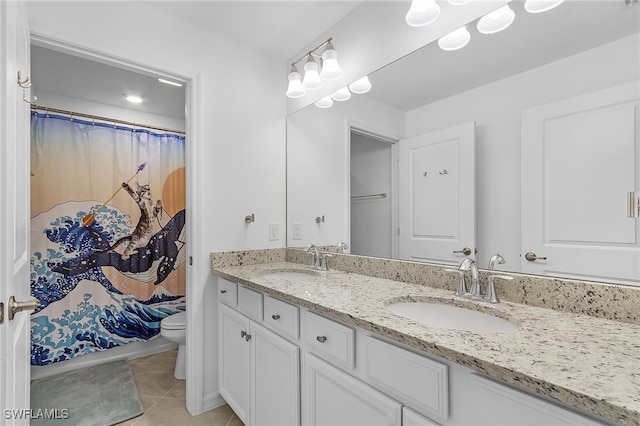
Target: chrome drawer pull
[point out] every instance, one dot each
(275, 317)
(321, 339)
(242, 334)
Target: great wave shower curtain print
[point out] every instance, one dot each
(107, 234)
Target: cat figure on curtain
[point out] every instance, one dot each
(144, 229)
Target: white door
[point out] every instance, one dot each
(437, 195)
(274, 378)
(580, 158)
(14, 214)
(234, 361)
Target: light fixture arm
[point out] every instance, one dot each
(313, 52)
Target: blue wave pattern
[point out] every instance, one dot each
(93, 325)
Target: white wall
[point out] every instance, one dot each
(239, 163)
(496, 109)
(318, 164)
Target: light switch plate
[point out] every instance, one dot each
(297, 231)
(274, 232)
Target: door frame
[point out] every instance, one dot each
(365, 130)
(194, 277)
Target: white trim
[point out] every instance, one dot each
(194, 285)
(213, 401)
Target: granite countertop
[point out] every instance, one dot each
(589, 363)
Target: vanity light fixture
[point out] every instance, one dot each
(134, 99)
(360, 86)
(341, 95)
(459, 2)
(539, 6)
(295, 89)
(455, 40)
(313, 74)
(330, 68)
(496, 21)
(422, 12)
(325, 102)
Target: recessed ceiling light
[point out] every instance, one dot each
(134, 99)
(172, 83)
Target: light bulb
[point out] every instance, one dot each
(134, 99)
(360, 86)
(311, 79)
(538, 6)
(325, 102)
(422, 12)
(496, 21)
(295, 89)
(455, 40)
(341, 94)
(330, 68)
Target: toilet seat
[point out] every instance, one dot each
(175, 322)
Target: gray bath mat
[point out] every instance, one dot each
(105, 394)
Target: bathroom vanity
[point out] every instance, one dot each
(301, 346)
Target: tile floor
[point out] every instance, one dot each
(163, 396)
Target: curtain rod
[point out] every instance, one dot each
(107, 119)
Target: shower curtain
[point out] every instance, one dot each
(107, 234)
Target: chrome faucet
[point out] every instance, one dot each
(496, 259)
(340, 248)
(469, 264)
(315, 262)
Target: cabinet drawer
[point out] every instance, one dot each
(227, 292)
(329, 339)
(281, 317)
(250, 303)
(413, 379)
(411, 418)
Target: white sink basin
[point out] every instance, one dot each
(291, 274)
(451, 317)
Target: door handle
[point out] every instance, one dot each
(15, 307)
(466, 251)
(532, 257)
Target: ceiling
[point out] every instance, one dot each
(283, 28)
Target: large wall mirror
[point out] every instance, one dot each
(547, 110)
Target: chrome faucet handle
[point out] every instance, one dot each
(461, 290)
(490, 294)
(324, 261)
(315, 261)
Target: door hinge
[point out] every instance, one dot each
(190, 260)
(1, 312)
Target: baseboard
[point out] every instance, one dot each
(212, 401)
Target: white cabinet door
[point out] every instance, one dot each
(336, 398)
(275, 379)
(494, 404)
(14, 213)
(234, 361)
(580, 158)
(437, 195)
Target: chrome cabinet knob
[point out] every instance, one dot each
(532, 257)
(276, 317)
(321, 339)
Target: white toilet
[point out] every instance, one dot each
(174, 329)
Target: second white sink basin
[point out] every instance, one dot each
(451, 317)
